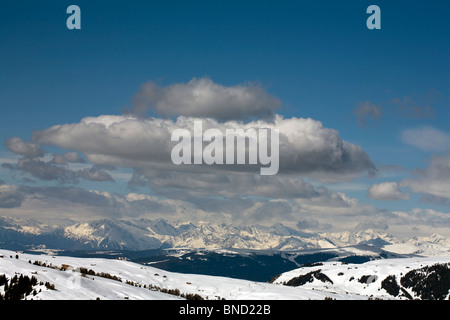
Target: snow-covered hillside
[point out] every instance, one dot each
(95, 278)
(72, 284)
(405, 278)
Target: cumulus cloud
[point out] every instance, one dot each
(204, 98)
(427, 138)
(387, 191)
(26, 149)
(306, 147)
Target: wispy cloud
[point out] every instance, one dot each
(407, 107)
(48, 171)
(367, 110)
(434, 179)
(427, 138)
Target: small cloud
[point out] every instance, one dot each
(408, 108)
(26, 149)
(387, 191)
(367, 110)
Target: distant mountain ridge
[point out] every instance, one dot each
(145, 234)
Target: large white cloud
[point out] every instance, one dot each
(305, 147)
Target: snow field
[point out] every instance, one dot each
(136, 279)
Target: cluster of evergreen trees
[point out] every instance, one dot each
(18, 287)
(390, 285)
(429, 283)
(309, 277)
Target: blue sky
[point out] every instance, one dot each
(382, 90)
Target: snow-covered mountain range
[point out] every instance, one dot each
(144, 234)
(47, 277)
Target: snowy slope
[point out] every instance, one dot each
(364, 279)
(71, 284)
